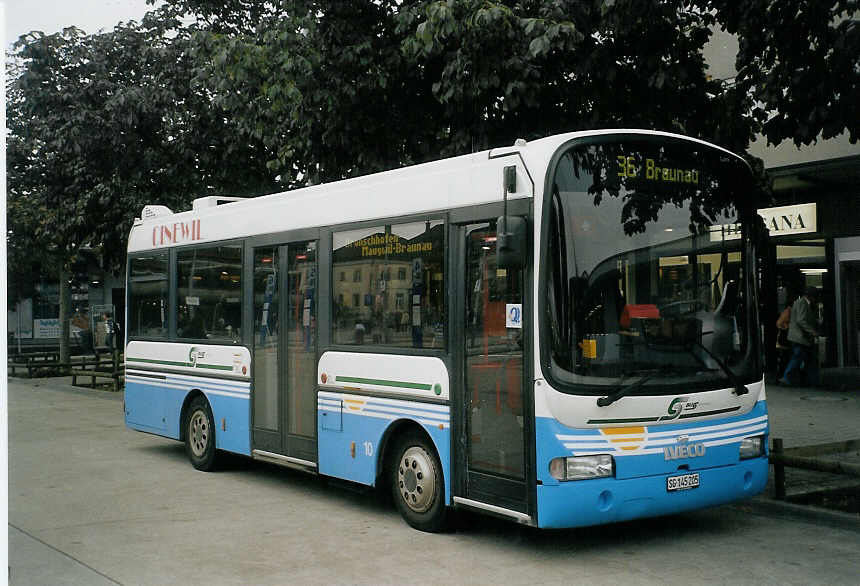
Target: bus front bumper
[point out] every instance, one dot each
(594, 502)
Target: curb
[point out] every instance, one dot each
(806, 513)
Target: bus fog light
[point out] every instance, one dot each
(752, 447)
(582, 467)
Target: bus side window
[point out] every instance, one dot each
(210, 292)
(397, 294)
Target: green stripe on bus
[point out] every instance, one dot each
(214, 366)
(384, 383)
(174, 363)
(650, 419)
(706, 413)
(151, 361)
(628, 420)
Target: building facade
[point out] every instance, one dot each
(814, 223)
(815, 241)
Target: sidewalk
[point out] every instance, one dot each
(804, 416)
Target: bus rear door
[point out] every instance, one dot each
(285, 351)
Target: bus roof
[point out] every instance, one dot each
(455, 182)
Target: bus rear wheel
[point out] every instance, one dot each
(200, 435)
(417, 484)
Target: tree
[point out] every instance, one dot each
(338, 89)
(798, 65)
(100, 125)
(317, 81)
(529, 69)
(323, 84)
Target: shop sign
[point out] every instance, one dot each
(794, 219)
(780, 221)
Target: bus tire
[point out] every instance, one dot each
(200, 435)
(417, 485)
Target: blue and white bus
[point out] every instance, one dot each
(562, 332)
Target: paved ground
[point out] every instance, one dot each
(91, 502)
(807, 417)
(804, 416)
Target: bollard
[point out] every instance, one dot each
(778, 470)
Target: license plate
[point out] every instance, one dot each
(683, 482)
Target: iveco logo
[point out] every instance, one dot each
(684, 451)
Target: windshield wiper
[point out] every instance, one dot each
(620, 391)
(740, 388)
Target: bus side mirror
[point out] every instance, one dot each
(511, 242)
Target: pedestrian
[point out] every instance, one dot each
(802, 331)
(81, 321)
(109, 330)
(359, 332)
(783, 346)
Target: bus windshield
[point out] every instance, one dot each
(648, 284)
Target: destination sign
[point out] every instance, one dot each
(655, 171)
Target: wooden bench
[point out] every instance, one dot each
(32, 361)
(117, 377)
(97, 362)
(104, 363)
(12, 366)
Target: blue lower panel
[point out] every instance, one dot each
(349, 441)
(593, 502)
(234, 415)
(145, 407)
(157, 408)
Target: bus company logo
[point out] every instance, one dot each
(193, 355)
(676, 406)
(176, 233)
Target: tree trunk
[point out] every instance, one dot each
(65, 299)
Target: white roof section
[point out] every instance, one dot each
(420, 189)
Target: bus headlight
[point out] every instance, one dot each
(752, 447)
(582, 467)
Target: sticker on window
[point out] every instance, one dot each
(514, 315)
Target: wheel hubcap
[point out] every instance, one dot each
(416, 477)
(198, 431)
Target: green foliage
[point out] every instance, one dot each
(334, 89)
(100, 125)
(533, 68)
(798, 64)
(323, 85)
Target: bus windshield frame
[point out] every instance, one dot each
(648, 278)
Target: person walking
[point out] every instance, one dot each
(783, 346)
(802, 331)
(109, 330)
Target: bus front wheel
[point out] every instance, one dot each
(200, 435)
(417, 484)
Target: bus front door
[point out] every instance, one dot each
(284, 390)
(492, 420)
